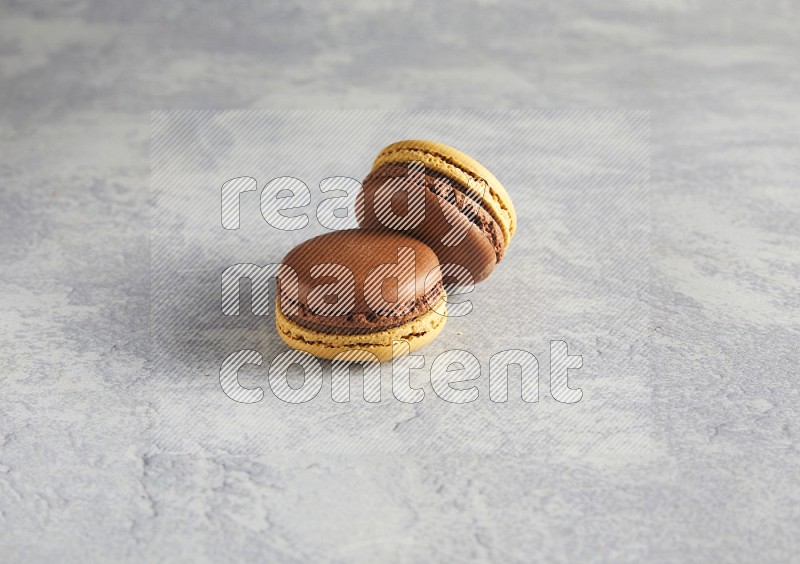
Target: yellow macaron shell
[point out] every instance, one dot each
(418, 332)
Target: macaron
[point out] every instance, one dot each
(451, 202)
(359, 290)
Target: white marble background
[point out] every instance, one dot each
(82, 474)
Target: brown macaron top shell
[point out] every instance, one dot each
(448, 210)
(358, 281)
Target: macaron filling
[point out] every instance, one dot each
(451, 192)
(359, 323)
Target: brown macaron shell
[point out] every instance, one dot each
(448, 210)
(310, 299)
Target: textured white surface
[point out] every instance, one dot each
(708, 466)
